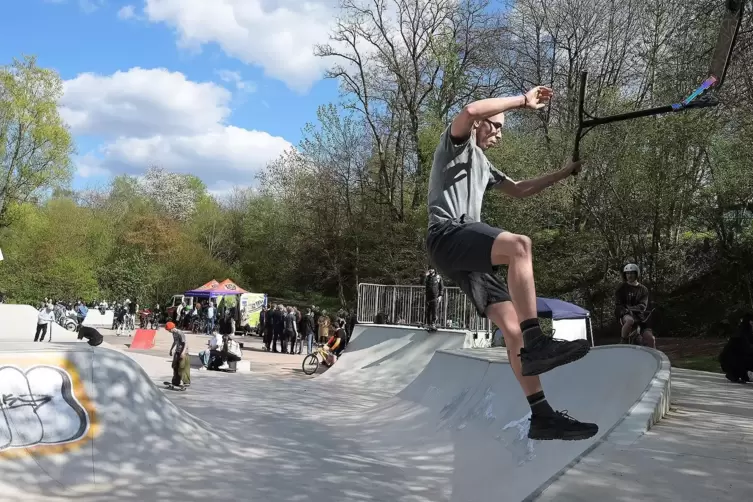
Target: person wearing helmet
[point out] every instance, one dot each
(181, 361)
(631, 302)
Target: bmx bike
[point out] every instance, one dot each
(318, 357)
(635, 336)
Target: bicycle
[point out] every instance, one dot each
(634, 337)
(320, 355)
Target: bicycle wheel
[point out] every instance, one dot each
(310, 364)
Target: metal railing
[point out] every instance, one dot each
(406, 305)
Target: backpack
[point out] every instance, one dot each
(234, 348)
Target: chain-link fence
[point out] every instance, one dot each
(406, 305)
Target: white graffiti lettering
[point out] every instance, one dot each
(38, 407)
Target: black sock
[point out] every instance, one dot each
(539, 404)
(531, 331)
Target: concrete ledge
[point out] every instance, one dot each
(650, 407)
(242, 366)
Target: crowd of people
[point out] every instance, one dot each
(292, 328)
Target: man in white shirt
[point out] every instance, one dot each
(45, 318)
(178, 312)
(213, 351)
(210, 317)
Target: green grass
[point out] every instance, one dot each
(700, 363)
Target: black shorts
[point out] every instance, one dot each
(462, 251)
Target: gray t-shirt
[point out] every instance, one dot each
(179, 339)
(460, 175)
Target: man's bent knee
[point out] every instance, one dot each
(509, 246)
(628, 321)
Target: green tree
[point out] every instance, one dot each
(35, 144)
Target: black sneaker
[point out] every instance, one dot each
(732, 378)
(560, 426)
(548, 353)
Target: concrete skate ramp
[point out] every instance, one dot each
(388, 358)
(88, 424)
(19, 322)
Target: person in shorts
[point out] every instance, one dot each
(469, 252)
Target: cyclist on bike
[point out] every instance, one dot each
(631, 302)
(336, 343)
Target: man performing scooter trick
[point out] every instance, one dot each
(468, 251)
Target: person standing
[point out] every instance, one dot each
(289, 331)
(434, 292)
(179, 352)
(81, 312)
(269, 327)
(279, 322)
(210, 317)
(45, 318)
(307, 330)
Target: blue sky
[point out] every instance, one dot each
(272, 81)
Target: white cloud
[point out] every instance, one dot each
(228, 154)
(277, 35)
(233, 77)
(88, 6)
(159, 117)
(127, 12)
(90, 166)
(142, 102)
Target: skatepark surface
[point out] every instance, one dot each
(404, 415)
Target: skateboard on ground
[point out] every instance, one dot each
(170, 386)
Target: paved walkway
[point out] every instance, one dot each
(261, 361)
(702, 451)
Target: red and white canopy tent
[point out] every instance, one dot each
(213, 289)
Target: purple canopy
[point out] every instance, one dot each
(557, 309)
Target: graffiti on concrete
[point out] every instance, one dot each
(38, 407)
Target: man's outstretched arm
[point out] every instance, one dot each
(462, 125)
(526, 188)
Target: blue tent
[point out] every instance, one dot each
(552, 308)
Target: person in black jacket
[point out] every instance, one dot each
(736, 358)
(269, 326)
(308, 329)
(631, 303)
(278, 319)
(434, 292)
(91, 335)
